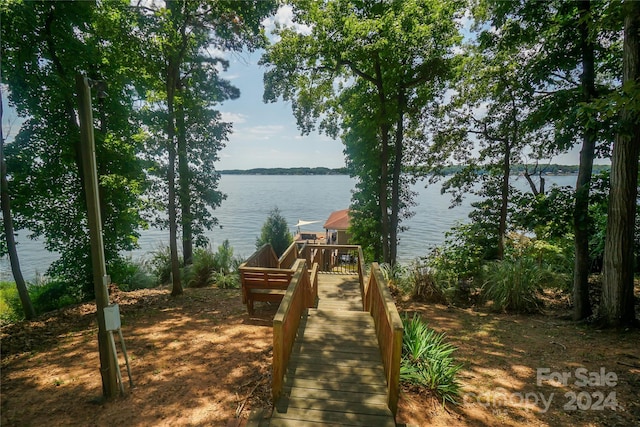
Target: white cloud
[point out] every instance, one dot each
(233, 117)
(283, 18)
(266, 130)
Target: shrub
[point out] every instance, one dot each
(53, 294)
(276, 232)
(423, 284)
(226, 281)
(131, 275)
(554, 257)
(223, 259)
(396, 277)
(461, 256)
(427, 361)
(200, 274)
(514, 285)
(209, 267)
(160, 264)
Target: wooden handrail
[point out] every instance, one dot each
(389, 330)
(325, 256)
(288, 258)
(299, 296)
(263, 257)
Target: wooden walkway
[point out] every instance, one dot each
(335, 375)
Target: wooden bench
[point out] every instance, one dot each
(264, 284)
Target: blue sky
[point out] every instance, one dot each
(265, 135)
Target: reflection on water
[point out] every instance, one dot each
(309, 198)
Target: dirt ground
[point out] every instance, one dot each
(200, 360)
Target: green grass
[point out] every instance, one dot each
(8, 299)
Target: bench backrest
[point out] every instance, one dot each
(263, 278)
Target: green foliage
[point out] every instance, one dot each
(200, 273)
(130, 275)
(275, 231)
(391, 60)
(39, 65)
(460, 258)
(224, 260)
(208, 267)
(514, 284)
(424, 286)
(53, 294)
(46, 295)
(549, 215)
(226, 281)
(160, 264)
(427, 360)
(10, 307)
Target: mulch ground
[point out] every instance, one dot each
(201, 360)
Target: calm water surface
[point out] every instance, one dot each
(309, 198)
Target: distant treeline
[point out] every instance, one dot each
(519, 169)
(286, 171)
(552, 169)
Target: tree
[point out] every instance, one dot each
(189, 87)
(393, 57)
(568, 73)
(483, 127)
(275, 232)
(5, 205)
(57, 40)
(617, 304)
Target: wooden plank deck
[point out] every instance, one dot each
(335, 375)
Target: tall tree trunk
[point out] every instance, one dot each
(172, 79)
(384, 164)
(581, 303)
(383, 195)
(617, 304)
(504, 198)
(184, 191)
(395, 180)
(7, 220)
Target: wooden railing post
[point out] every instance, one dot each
(278, 359)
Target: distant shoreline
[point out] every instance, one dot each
(286, 171)
(550, 170)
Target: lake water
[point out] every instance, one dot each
(309, 198)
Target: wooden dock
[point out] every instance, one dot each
(335, 374)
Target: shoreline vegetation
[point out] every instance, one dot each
(518, 169)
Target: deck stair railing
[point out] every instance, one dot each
(389, 329)
(340, 259)
(265, 257)
(301, 294)
(289, 256)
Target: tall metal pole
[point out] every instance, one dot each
(100, 279)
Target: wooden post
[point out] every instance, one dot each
(394, 368)
(100, 278)
(278, 360)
